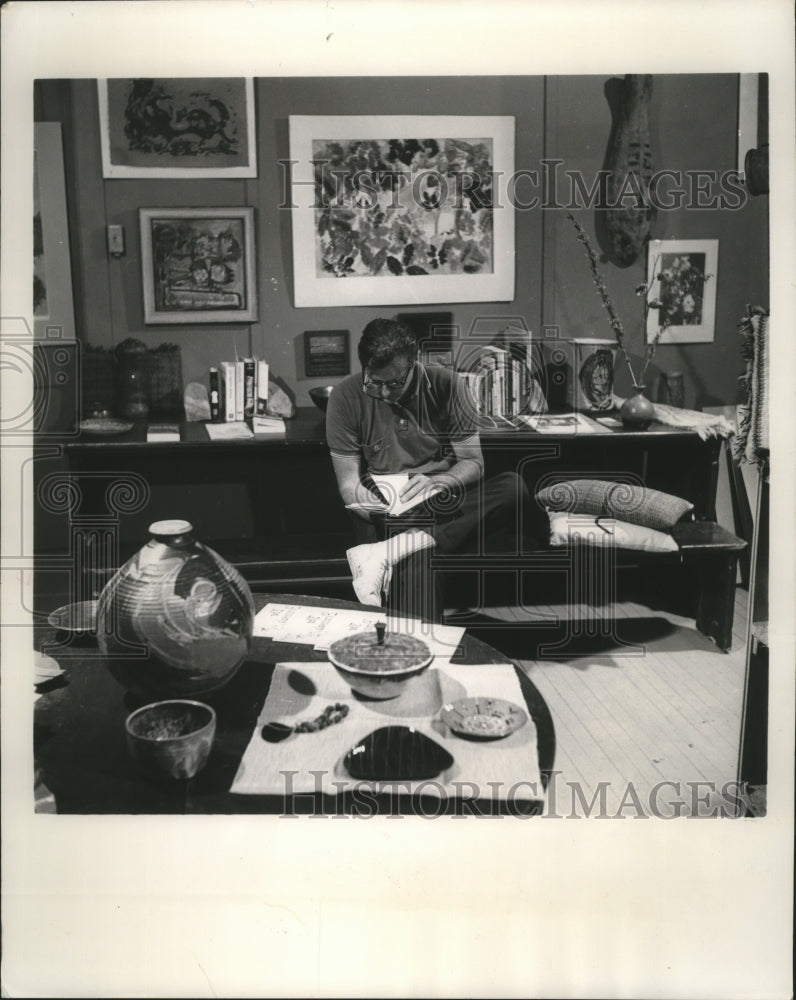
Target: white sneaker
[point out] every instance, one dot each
(371, 572)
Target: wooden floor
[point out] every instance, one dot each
(648, 728)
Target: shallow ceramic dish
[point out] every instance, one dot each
(483, 718)
(397, 753)
(105, 426)
(79, 619)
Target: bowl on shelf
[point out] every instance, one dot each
(172, 738)
(377, 664)
(320, 395)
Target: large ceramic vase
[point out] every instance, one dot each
(176, 620)
(637, 412)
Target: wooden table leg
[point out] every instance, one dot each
(716, 600)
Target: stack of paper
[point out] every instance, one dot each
(163, 432)
(265, 426)
(229, 430)
(319, 627)
(562, 423)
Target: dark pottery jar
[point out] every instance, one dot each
(176, 620)
(637, 412)
(133, 370)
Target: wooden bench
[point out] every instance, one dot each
(713, 552)
(704, 547)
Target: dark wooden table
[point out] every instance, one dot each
(82, 757)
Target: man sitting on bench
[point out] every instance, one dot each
(399, 416)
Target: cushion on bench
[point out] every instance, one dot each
(623, 501)
(571, 529)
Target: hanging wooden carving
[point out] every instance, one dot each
(628, 216)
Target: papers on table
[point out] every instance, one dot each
(562, 423)
(229, 430)
(319, 627)
(266, 427)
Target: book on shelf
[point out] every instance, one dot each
(390, 488)
(240, 390)
(215, 396)
(163, 432)
(249, 387)
(261, 389)
(226, 371)
(266, 427)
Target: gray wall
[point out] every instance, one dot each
(694, 121)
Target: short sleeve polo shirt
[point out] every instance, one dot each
(415, 433)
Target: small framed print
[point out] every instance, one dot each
(326, 353)
(681, 279)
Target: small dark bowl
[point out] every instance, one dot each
(320, 396)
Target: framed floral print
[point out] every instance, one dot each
(681, 277)
(401, 209)
(198, 265)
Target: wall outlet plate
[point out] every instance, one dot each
(116, 241)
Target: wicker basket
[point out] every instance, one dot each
(165, 381)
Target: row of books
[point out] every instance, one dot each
(500, 384)
(238, 390)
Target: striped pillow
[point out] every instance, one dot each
(623, 501)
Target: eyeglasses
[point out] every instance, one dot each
(374, 386)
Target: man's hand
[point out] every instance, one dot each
(420, 483)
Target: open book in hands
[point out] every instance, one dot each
(390, 488)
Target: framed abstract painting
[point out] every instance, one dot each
(182, 127)
(401, 209)
(198, 265)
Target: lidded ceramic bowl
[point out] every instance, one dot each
(379, 664)
(176, 620)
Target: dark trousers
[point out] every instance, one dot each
(487, 519)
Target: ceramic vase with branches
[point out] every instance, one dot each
(637, 411)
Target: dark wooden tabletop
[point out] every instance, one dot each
(307, 428)
(79, 738)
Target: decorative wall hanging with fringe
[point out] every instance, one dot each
(751, 444)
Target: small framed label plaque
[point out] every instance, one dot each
(326, 353)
